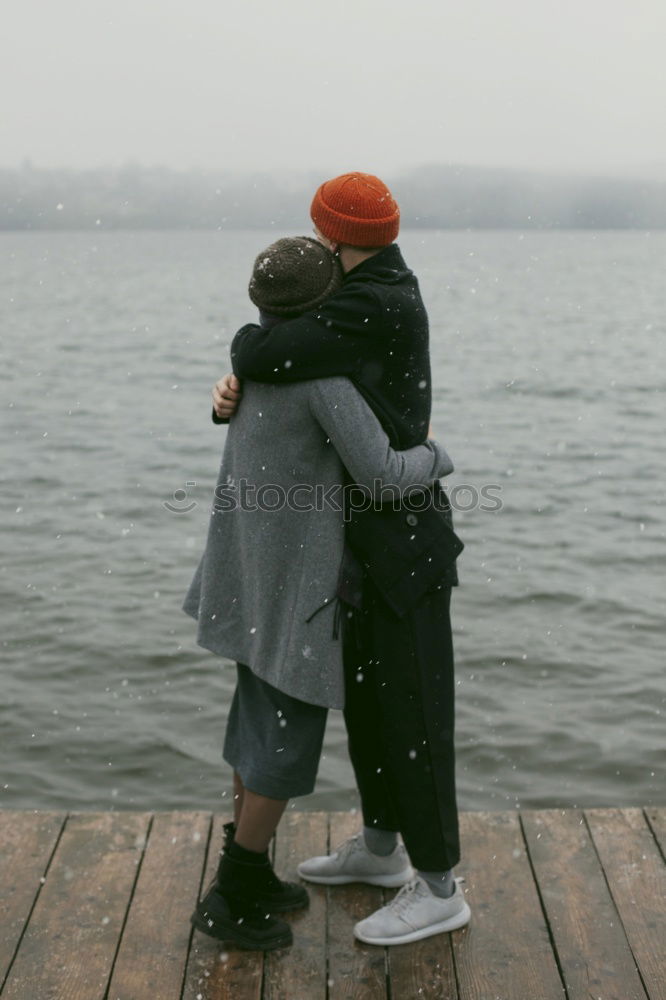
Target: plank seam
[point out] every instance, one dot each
(129, 905)
(551, 936)
(206, 852)
(615, 905)
(654, 834)
(262, 986)
(456, 974)
(34, 902)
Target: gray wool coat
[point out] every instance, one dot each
(264, 590)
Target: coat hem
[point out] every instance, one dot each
(239, 657)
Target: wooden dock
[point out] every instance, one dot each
(565, 904)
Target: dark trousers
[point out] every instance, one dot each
(399, 712)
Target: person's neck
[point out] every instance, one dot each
(351, 256)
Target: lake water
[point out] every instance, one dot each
(548, 364)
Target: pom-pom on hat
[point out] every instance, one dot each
(292, 275)
(356, 209)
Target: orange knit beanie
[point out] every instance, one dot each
(356, 209)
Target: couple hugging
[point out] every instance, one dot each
(326, 604)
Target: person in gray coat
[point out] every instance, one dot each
(264, 592)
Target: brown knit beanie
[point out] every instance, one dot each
(356, 209)
(294, 274)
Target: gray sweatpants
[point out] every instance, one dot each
(273, 741)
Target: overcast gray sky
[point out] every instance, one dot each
(369, 85)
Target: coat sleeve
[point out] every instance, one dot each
(218, 420)
(335, 339)
(364, 447)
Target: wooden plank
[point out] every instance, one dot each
(505, 952)
(27, 840)
(592, 949)
(636, 877)
(213, 973)
(71, 939)
(424, 970)
(72, 934)
(356, 970)
(299, 973)
(154, 947)
(657, 820)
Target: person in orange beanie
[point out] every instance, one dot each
(356, 210)
(397, 572)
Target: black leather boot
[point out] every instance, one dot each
(234, 917)
(228, 834)
(259, 883)
(240, 922)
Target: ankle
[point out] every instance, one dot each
(240, 853)
(440, 883)
(380, 842)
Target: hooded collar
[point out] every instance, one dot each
(387, 266)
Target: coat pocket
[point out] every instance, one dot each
(406, 550)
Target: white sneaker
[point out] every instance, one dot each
(413, 914)
(353, 862)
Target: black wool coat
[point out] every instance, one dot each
(374, 331)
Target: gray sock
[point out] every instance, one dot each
(381, 842)
(442, 883)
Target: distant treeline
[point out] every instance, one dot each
(446, 197)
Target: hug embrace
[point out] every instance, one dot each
(328, 608)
